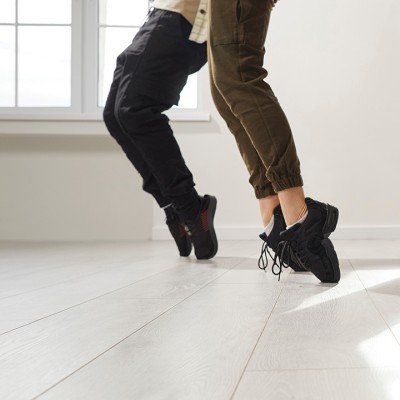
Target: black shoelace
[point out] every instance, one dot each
(284, 251)
(263, 259)
(277, 258)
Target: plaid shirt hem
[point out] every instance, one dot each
(200, 27)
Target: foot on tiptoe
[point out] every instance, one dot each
(201, 229)
(178, 232)
(308, 242)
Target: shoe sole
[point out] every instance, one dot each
(189, 247)
(212, 206)
(178, 239)
(297, 267)
(333, 260)
(332, 216)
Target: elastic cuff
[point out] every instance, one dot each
(264, 191)
(287, 183)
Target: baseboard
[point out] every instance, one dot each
(355, 232)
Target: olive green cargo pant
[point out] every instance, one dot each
(238, 30)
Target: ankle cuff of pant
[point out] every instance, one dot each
(287, 183)
(265, 191)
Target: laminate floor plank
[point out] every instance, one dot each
(325, 326)
(18, 258)
(35, 280)
(120, 320)
(368, 249)
(36, 351)
(197, 350)
(247, 271)
(38, 356)
(381, 279)
(326, 384)
(179, 282)
(99, 271)
(58, 297)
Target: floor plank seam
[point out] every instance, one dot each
(84, 302)
(149, 324)
(254, 371)
(255, 345)
(107, 350)
(375, 306)
(47, 286)
(106, 294)
(127, 337)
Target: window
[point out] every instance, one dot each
(61, 61)
(36, 51)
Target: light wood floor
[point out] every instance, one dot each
(128, 321)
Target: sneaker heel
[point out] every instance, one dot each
(334, 276)
(332, 216)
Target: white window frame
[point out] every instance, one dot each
(84, 77)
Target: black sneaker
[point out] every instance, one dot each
(272, 242)
(201, 230)
(308, 242)
(179, 234)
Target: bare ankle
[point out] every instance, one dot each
(267, 206)
(293, 204)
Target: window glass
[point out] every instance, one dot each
(44, 70)
(189, 93)
(123, 12)
(44, 11)
(7, 14)
(112, 41)
(7, 66)
(36, 57)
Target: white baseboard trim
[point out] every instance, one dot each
(349, 232)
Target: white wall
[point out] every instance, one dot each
(69, 188)
(333, 65)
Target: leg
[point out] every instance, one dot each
(264, 192)
(154, 70)
(267, 206)
(262, 186)
(150, 184)
(241, 83)
(239, 31)
(268, 199)
(147, 81)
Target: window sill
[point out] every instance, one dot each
(76, 124)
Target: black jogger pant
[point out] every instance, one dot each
(149, 77)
